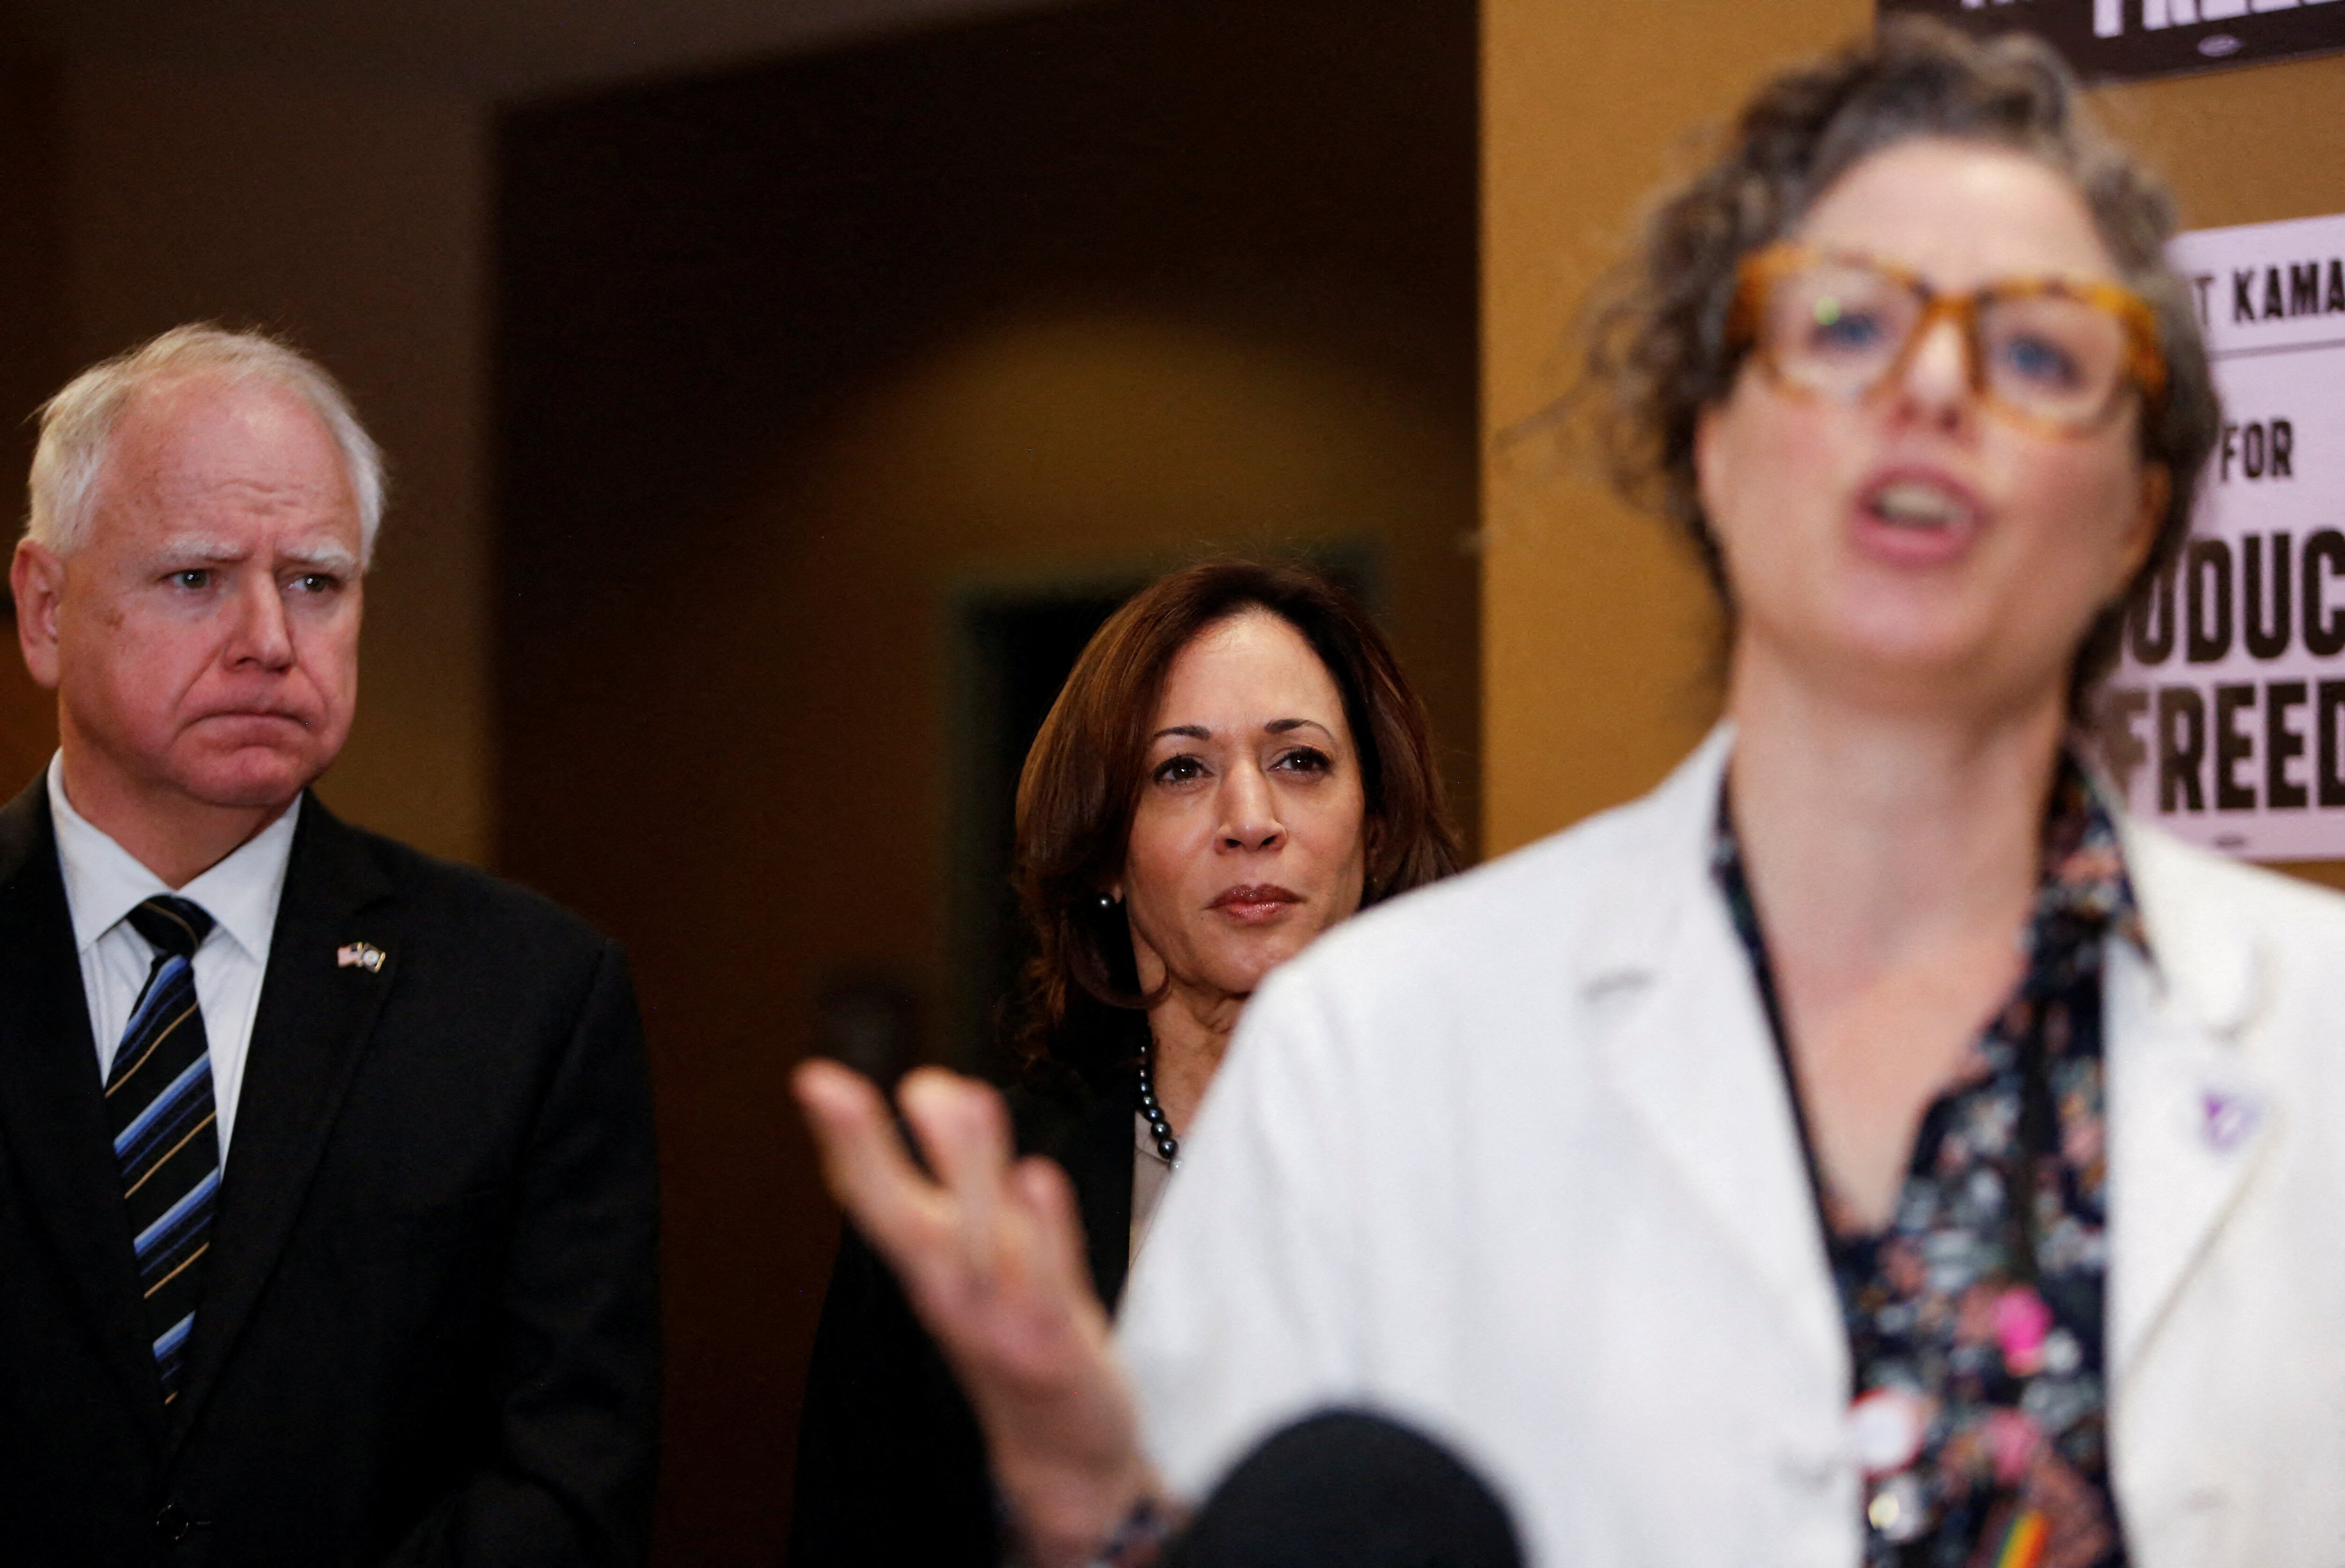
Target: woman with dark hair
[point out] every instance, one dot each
(1113, 794)
(1871, 1147)
(1235, 764)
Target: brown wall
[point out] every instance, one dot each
(355, 221)
(2251, 146)
(1597, 642)
(793, 362)
(33, 351)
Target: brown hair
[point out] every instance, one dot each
(1081, 788)
(1660, 347)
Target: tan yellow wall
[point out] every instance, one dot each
(2251, 146)
(355, 220)
(1595, 627)
(1595, 644)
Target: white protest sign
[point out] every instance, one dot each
(2226, 720)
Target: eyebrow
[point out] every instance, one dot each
(204, 552)
(326, 557)
(1275, 727)
(220, 553)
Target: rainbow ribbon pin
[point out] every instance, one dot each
(2023, 1543)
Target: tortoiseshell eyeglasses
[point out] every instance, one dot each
(2056, 353)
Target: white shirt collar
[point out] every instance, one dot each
(104, 882)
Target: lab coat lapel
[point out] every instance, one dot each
(1691, 1053)
(2190, 1113)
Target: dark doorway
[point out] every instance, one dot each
(1019, 652)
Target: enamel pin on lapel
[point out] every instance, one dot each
(2228, 1119)
(359, 954)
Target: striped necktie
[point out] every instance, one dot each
(158, 1099)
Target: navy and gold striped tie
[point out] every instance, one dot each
(159, 1098)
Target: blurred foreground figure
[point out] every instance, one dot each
(1869, 1147)
(1343, 1489)
(326, 1217)
(1235, 764)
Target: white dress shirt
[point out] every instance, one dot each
(104, 882)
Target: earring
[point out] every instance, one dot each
(1107, 901)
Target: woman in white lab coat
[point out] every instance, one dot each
(1869, 1148)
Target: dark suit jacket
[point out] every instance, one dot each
(428, 1330)
(892, 1467)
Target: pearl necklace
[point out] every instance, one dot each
(1167, 1146)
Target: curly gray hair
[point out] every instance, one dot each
(1659, 345)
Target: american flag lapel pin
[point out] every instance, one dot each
(359, 954)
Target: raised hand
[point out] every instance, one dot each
(990, 1254)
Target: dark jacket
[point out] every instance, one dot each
(891, 1468)
(428, 1332)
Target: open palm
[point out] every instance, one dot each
(989, 1252)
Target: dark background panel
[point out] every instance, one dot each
(795, 366)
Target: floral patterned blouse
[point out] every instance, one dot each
(1979, 1408)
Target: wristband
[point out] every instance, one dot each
(1137, 1542)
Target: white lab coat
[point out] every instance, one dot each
(1512, 1159)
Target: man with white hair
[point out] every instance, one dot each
(326, 1208)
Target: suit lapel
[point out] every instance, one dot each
(1098, 1156)
(2192, 1113)
(316, 1015)
(52, 1109)
(1689, 1049)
